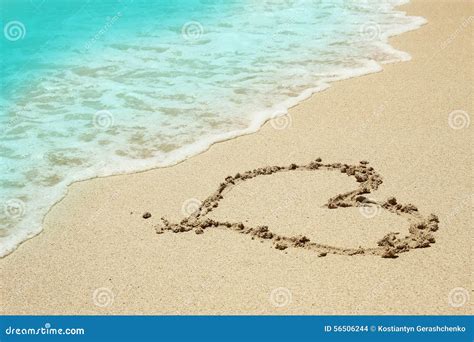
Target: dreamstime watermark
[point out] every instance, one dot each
(280, 122)
(280, 297)
(374, 4)
(458, 297)
(370, 31)
(192, 30)
(14, 208)
(277, 210)
(192, 299)
(37, 3)
(376, 114)
(110, 21)
(463, 204)
(190, 206)
(103, 119)
(14, 30)
(369, 209)
(15, 119)
(103, 297)
(46, 330)
(292, 3)
(459, 119)
(444, 44)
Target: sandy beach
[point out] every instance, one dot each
(97, 253)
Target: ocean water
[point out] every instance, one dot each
(94, 88)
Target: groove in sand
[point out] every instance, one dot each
(420, 230)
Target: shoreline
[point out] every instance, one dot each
(275, 115)
(138, 192)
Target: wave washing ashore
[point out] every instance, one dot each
(95, 89)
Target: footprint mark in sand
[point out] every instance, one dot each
(420, 231)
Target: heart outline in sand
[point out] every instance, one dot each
(420, 230)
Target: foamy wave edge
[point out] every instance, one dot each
(116, 167)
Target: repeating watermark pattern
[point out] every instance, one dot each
(192, 299)
(110, 21)
(192, 30)
(103, 119)
(15, 119)
(289, 198)
(445, 43)
(379, 110)
(370, 31)
(458, 297)
(462, 204)
(103, 297)
(281, 122)
(37, 3)
(280, 297)
(369, 208)
(376, 114)
(14, 208)
(14, 30)
(38, 156)
(190, 206)
(374, 4)
(459, 119)
(294, 3)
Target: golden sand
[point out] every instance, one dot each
(99, 255)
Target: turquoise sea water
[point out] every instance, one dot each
(93, 88)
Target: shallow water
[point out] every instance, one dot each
(98, 88)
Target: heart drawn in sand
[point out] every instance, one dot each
(420, 231)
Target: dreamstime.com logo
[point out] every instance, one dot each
(14, 30)
(458, 297)
(14, 208)
(192, 30)
(280, 297)
(280, 122)
(103, 297)
(370, 209)
(46, 330)
(190, 206)
(103, 119)
(370, 31)
(459, 119)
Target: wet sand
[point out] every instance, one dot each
(269, 228)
